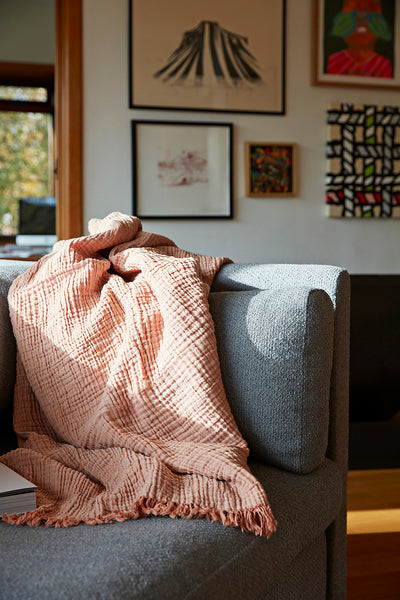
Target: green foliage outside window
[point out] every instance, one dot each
(25, 161)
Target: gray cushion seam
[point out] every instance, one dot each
(187, 597)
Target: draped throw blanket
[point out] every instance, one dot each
(119, 405)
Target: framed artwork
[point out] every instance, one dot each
(270, 169)
(363, 154)
(211, 55)
(182, 170)
(356, 43)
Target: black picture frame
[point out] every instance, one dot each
(182, 169)
(248, 60)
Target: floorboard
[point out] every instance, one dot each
(373, 535)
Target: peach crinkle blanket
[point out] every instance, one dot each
(119, 406)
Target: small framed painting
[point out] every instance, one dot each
(182, 170)
(356, 43)
(211, 55)
(271, 169)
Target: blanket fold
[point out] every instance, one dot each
(119, 406)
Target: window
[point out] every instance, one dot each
(26, 145)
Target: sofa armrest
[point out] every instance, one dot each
(275, 351)
(336, 282)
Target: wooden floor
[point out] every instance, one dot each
(373, 535)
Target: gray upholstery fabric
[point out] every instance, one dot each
(174, 559)
(306, 579)
(275, 349)
(336, 282)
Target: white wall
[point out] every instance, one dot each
(27, 31)
(263, 230)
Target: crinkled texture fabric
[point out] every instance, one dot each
(119, 405)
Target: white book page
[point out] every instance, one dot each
(11, 482)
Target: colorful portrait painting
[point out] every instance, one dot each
(356, 43)
(359, 38)
(270, 169)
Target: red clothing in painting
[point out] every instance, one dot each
(341, 63)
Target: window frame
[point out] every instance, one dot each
(29, 75)
(68, 120)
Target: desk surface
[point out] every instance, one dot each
(15, 252)
(29, 258)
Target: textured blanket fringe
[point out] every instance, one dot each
(258, 520)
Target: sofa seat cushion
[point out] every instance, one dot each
(275, 349)
(172, 559)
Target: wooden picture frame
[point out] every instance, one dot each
(271, 169)
(182, 170)
(342, 34)
(208, 56)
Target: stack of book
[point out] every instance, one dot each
(17, 494)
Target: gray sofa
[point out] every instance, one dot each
(283, 341)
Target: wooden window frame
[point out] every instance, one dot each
(69, 118)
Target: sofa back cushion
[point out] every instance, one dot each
(275, 349)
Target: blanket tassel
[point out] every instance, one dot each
(258, 520)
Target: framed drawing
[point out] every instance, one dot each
(270, 169)
(356, 43)
(211, 55)
(182, 170)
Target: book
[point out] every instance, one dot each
(17, 494)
